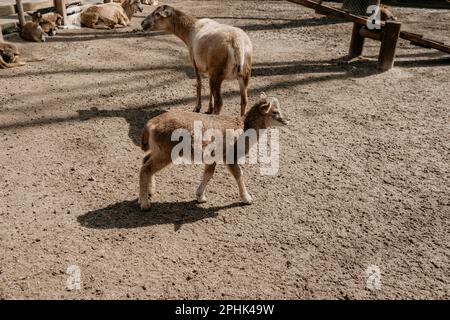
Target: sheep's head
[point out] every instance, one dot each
(135, 5)
(159, 20)
(48, 26)
(9, 52)
(270, 107)
(36, 17)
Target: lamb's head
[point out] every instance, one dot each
(269, 108)
(159, 20)
(135, 5)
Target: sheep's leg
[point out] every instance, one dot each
(215, 84)
(243, 85)
(148, 170)
(207, 175)
(108, 22)
(199, 89)
(236, 171)
(123, 20)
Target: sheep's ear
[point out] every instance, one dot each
(167, 12)
(265, 107)
(263, 96)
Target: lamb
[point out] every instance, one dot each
(9, 55)
(110, 14)
(156, 140)
(32, 31)
(222, 52)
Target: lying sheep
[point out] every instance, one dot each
(222, 52)
(157, 140)
(54, 18)
(386, 13)
(48, 23)
(148, 2)
(110, 14)
(9, 55)
(32, 31)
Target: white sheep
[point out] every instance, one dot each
(221, 51)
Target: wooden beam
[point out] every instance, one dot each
(60, 6)
(366, 33)
(20, 12)
(391, 33)
(418, 39)
(357, 42)
(327, 10)
(335, 12)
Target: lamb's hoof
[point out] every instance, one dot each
(209, 112)
(247, 200)
(201, 199)
(145, 206)
(197, 109)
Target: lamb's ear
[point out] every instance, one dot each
(263, 96)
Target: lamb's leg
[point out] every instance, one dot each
(236, 171)
(207, 175)
(152, 165)
(243, 85)
(211, 106)
(199, 89)
(215, 84)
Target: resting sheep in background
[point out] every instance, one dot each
(32, 31)
(221, 51)
(110, 14)
(9, 55)
(148, 2)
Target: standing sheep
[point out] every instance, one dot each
(222, 52)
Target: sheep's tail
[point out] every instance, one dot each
(145, 135)
(239, 56)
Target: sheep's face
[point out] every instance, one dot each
(270, 107)
(136, 5)
(159, 20)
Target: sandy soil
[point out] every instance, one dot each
(364, 171)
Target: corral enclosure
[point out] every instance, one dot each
(364, 177)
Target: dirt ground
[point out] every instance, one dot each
(364, 168)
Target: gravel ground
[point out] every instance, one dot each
(364, 178)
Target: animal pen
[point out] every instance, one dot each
(388, 33)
